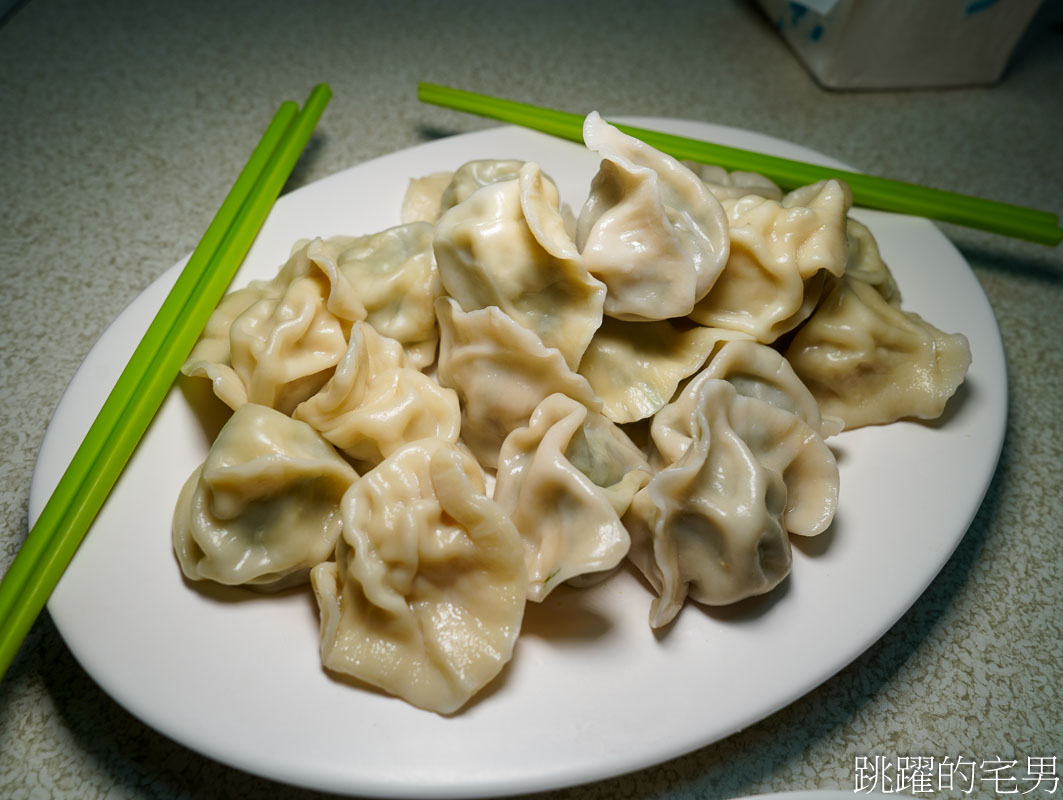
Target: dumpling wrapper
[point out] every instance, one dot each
(284, 350)
(755, 370)
(426, 596)
(264, 507)
(429, 196)
(636, 367)
(474, 175)
(565, 479)
(730, 185)
(275, 342)
(713, 524)
(868, 362)
(501, 371)
(778, 252)
(375, 402)
(423, 197)
(506, 245)
(649, 229)
(211, 358)
(865, 262)
(396, 279)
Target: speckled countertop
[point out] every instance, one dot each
(122, 124)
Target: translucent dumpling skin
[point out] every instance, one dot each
(506, 246)
(650, 228)
(426, 596)
(264, 506)
(565, 480)
(778, 256)
(375, 401)
(636, 367)
(741, 472)
(397, 283)
(868, 362)
(276, 342)
(501, 371)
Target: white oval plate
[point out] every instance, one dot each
(591, 691)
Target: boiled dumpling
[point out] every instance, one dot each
(865, 262)
(211, 358)
(713, 524)
(375, 402)
(426, 596)
(428, 197)
(506, 245)
(729, 185)
(265, 505)
(421, 203)
(339, 295)
(635, 367)
(501, 371)
(755, 370)
(474, 175)
(275, 342)
(760, 373)
(397, 282)
(779, 252)
(284, 350)
(565, 479)
(869, 362)
(650, 229)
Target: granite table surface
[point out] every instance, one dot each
(123, 123)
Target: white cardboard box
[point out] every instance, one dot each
(900, 44)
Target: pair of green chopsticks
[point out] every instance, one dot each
(871, 192)
(151, 370)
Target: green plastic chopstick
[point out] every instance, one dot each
(869, 191)
(150, 372)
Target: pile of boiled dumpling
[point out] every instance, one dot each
(440, 422)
